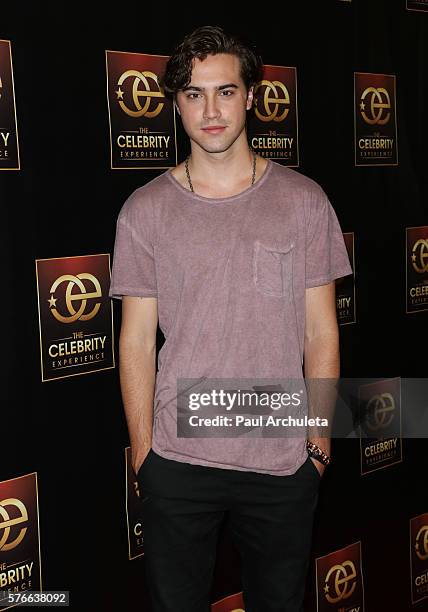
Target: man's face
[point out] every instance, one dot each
(215, 97)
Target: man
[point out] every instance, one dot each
(236, 256)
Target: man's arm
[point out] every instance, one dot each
(321, 357)
(137, 369)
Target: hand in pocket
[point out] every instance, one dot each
(141, 460)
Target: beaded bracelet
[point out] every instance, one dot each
(317, 453)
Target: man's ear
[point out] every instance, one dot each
(176, 106)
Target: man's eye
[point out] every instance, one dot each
(227, 91)
(191, 95)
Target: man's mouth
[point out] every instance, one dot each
(214, 129)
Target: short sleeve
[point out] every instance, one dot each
(326, 254)
(133, 269)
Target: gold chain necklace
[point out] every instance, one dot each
(186, 163)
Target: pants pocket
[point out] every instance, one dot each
(144, 464)
(313, 467)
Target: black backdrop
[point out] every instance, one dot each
(65, 200)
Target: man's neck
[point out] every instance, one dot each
(222, 170)
(220, 175)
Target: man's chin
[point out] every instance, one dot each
(219, 147)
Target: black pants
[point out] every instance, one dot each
(270, 519)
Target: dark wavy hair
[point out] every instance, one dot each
(209, 40)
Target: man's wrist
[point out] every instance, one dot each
(317, 453)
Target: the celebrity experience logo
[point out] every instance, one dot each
(419, 557)
(273, 129)
(75, 315)
(380, 424)
(142, 119)
(416, 269)
(133, 518)
(20, 568)
(9, 149)
(339, 580)
(345, 287)
(375, 120)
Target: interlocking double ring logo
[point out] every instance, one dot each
(380, 411)
(420, 255)
(268, 106)
(146, 94)
(344, 574)
(421, 543)
(378, 101)
(6, 523)
(70, 297)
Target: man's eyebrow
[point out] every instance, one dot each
(195, 88)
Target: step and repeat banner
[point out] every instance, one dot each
(335, 106)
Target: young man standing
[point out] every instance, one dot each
(236, 257)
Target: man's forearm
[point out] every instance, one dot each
(322, 369)
(137, 369)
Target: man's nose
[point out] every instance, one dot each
(211, 109)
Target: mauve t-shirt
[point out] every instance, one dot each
(230, 276)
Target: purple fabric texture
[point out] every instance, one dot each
(230, 276)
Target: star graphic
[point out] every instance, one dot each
(362, 106)
(119, 93)
(52, 301)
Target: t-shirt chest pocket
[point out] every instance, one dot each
(272, 268)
